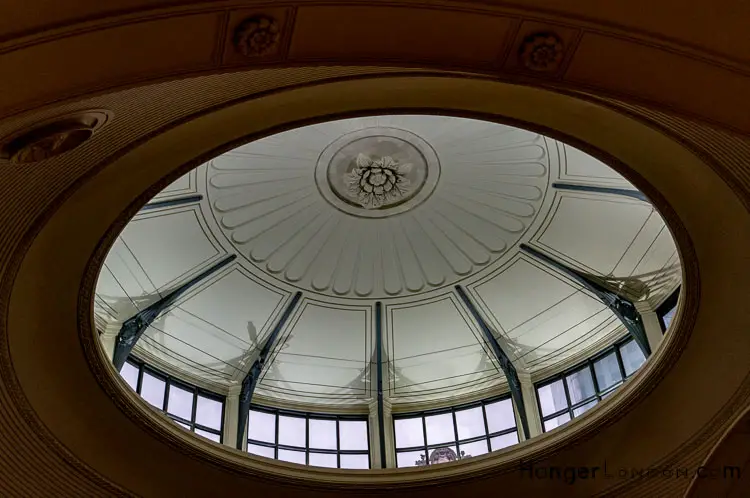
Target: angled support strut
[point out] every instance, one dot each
(379, 356)
(253, 376)
(502, 358)
(634, 194)
(133, 328)
(190, 199)
(622, 307)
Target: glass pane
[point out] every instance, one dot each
(180, 403)
(152, 390)
(322, 459)
(440, 428)
(292, 456)
(185, 426)
(208, 412)
(473, 449)
(353, 434)
(323, 435)
(607, 372)
(355, 461)
(668, 317)
(292, 431)
(208, 435)
(580, 385)
(500, 442)
(632, 357)
(500, 415)
(130, 375)
(552, 398)
(470, 423)
(610, 393)
(256, 449)
(556, 422)
(583, 409)
(261, 426)
(409, 432)
(410, 458)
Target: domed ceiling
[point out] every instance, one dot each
(390, 209)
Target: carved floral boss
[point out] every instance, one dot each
(375, 182)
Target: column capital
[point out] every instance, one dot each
(644, 307)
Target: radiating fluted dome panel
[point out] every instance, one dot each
(381, 206)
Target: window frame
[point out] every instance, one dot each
(668, 305)
(194, 390)
(456, 442)
(277, 412)
(598, 395)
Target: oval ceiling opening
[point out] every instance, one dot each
(427, 278)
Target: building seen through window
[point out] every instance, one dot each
(429, 438)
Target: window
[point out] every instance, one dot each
(189, 407)
(667, 310)
(309, 438)
(576, 391)
(428, 438)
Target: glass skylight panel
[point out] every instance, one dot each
(355, 461)
(500, 415)
(552, 398)
(440, 428)
(292, 431)
(292, 456)
(632, 357)
(208, 412)
(456, 433)
(409, 432)
(152, 390)
(180, 403)
(556, 421)
(129, 374)
(580, 385)
(409, 458)
(323, 434)
(473, 449)
(209, 435)
(264, 451)
(584, 408)
(309, 439)
(329, 460)
(668, 316)
(353, 435)
(607, 371)
(470, 423)
(262, 426)
(178, 400)
(500, 442)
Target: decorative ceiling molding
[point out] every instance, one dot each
(53, 137)
(257, 36)
(542, 52)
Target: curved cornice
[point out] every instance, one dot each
(607, 50)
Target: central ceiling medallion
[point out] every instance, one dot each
(377, 172)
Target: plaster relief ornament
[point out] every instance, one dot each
(375, 182)
(257, 36)
(542, 52)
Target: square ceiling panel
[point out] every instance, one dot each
(325, 352)
(183, 245)
(581, 167)
(581, 230)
